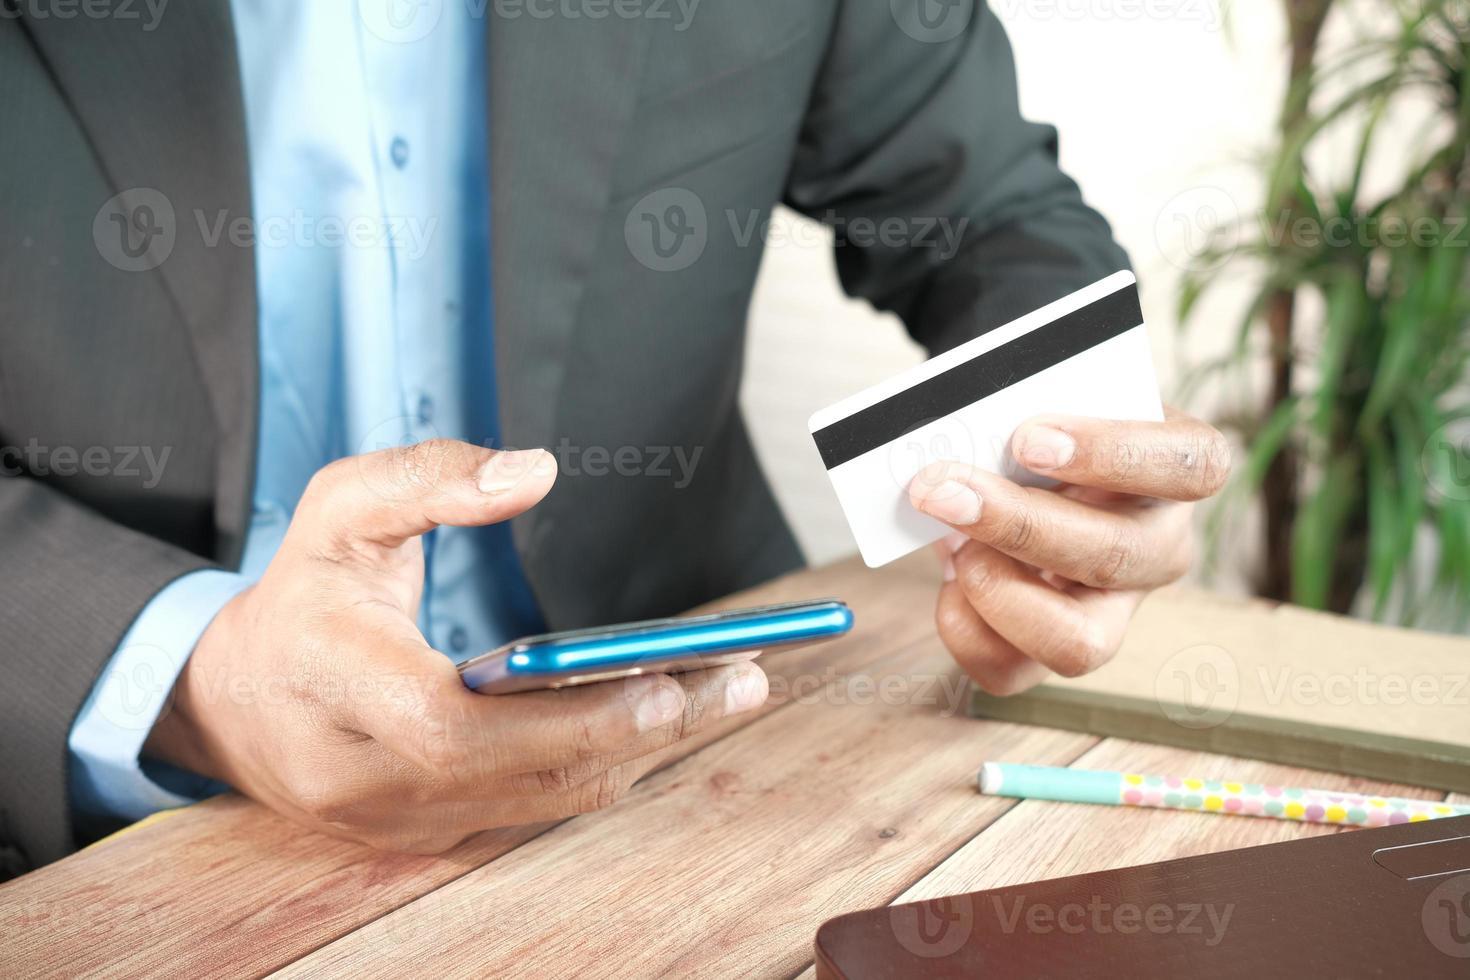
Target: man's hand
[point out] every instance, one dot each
(315, 693)
(1047, 580)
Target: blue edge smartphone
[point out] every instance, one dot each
(654, 646)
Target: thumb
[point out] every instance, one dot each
(390, 496)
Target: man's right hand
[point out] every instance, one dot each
(315, 693)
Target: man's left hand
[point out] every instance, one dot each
(1046, 580)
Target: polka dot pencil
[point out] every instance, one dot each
(1207, 795)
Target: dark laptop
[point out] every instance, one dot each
(1388, 902)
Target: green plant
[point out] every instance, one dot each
(1358, 450)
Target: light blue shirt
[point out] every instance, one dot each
(369, 175)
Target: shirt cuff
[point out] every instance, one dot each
(107, 782)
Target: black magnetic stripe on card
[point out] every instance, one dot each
(980, 377)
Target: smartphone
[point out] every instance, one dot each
(653, 646)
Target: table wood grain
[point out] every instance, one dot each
(853, 788)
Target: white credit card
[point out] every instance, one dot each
(1086, 354)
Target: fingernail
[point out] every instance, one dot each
(1045, 448)
(746, 692)
(506, 470)
(953, 503)
(663, 702)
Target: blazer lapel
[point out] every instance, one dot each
(161, 106)
(561, 93)
(163, 111)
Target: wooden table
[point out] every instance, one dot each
(851, 789)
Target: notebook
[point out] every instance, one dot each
(1390, 902)
(1279, 683)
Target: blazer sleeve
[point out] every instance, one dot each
(71, 583)
(949, 207)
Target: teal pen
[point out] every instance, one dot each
(1251, 799)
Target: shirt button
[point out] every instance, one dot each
(398, 150)
(425, 411)
(458, 639)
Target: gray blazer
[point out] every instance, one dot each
(688, 122)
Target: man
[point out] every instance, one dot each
(251, 243)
